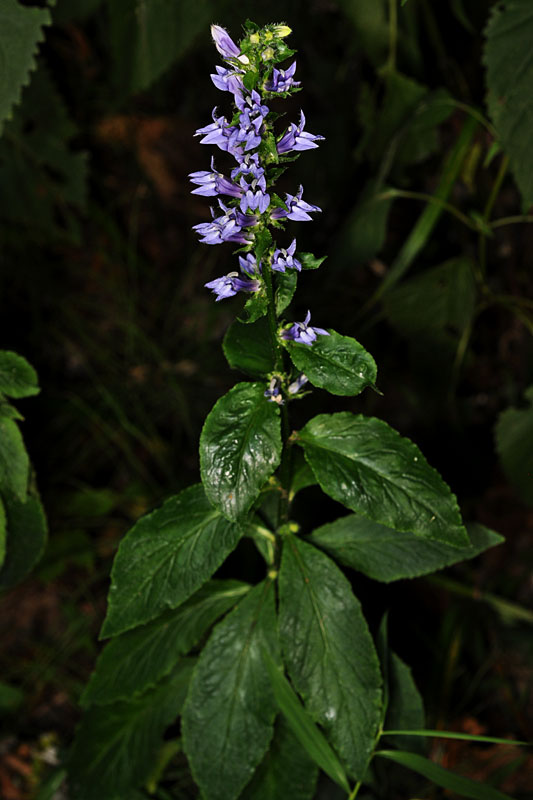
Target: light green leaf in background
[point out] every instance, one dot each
(21, 30)
(26, 538)
(366, 465)
(115, 745)
(286, 770)
(329, 652)
(507, 56)
(240, 447)
(138, 659)
(336, 363)
(229, 714)
(17, 377)
(514, 442)
(165, 558)
(385, 554)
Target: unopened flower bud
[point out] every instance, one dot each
(267, 54)
(254, 38)
(281, 31)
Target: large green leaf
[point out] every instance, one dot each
(26, 538)
(389, 555)
(229, 713)
(304, 729)
(248, 347)
(285, 289)
(165, 558)
(138, 659)
(329, 652)
(514, 441)
(148, 37)
(507, 56)
(363, 463)
(285, 772)
(17, 377)
(115, 745)
(336, 363)
(14, 461)
(21, 30)
(240, 447)
(465, 787)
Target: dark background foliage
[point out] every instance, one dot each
(102, 291)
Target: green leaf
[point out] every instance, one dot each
(229, 713)
(388, 555)
(3, 533)
(74, 10)
(285, 288)
(21, 30)
(14, 461)
(115, 745)
(443, 777)
(363, 234)
(285, 772)
(255, 307)
(9, 411)
(248, 347)
(438, 304)
(309, 261)
(17, 377)
(26, 538)
(459, 735)
(509, 77)
(302, 474)
(148, 37)
(366, 465)
(263, 240)
(405, 708)
(336, 363)
(304, 729)
(329, 652)
(138, 659)
(165, 558)
(514, 442)
(240, 447)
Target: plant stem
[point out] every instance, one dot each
(275, 344)
(496, 186)
(355, 790)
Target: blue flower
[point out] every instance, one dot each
(284, 259)
(254, 197)
(302, 332)
(249, 265)
(297, 208)
(228, 285)
(210, 183)
(273, 393)
(297, 384)
(282, 80)
(295, 138)
(228, 79)
(225, 44)
(227, 228)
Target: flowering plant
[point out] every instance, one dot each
(290, 680)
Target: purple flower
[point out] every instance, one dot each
(251, 102)
(297, 208)
(284, 259)
(228, 285)
(225, 44)
(228, 79)
(295, 138)
(254, 196)
(248, 165)
(282, 79)
(217, 132)
(227, 228)
(210, 183)
(273, 393)
(302, 332)
(296, 385)
(249, 264)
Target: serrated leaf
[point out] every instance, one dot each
(249, 348)
(366, 465)
(165, 558)
(26, 538)
(465, 787)
(17, 377)
(115, 745)
(385, 554)
(240, 447)
(14, 461)
(286, 770)
(300, 722)
(138, 659)
(507, 57)
(285, 288)
(229, 713)
(9, 411)
(21, 30)
(336, 363)
(514, 442)
(329, 652)
(309, 261)
(255, 307)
